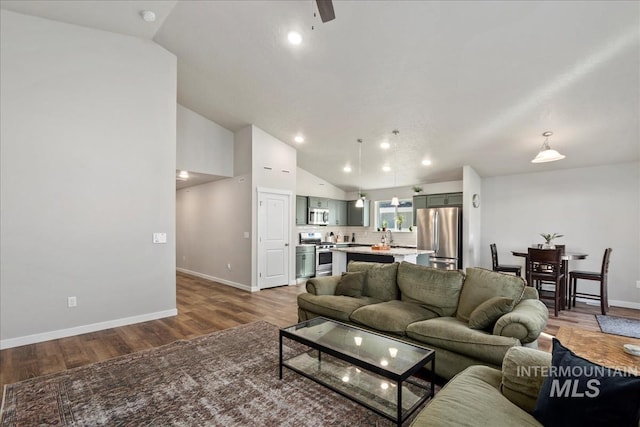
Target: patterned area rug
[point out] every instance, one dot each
(619, 326)
(228, 378)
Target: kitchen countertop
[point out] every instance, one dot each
(393, 251)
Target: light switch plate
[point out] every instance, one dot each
(159, 237)
(246, 234)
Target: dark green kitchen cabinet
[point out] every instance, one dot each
(318, 202)
(337, 212)
(301, 210)
(358, 216)
(435, 201)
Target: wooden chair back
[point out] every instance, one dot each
(605, 263)
(494, 256)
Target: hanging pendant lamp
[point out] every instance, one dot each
(547, 154)
(394, 199)
(360, 201)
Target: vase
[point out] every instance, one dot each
(548, 246)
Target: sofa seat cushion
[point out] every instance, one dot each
(455, 335)
(481, 285)
(391, 316)
(380, 280)
(338, 307)
(472, 398)
(435, 289)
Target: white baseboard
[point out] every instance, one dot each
(612, 302)
(84, 329)
(625, 304)
(217, 279)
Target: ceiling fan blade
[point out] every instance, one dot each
(325, 8)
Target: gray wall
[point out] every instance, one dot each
(88, 174)
(595, 208)
(202, 145)
(211, 220)
(471, 218)
(216, 222)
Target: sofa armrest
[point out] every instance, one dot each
(523, 372)
(530, 293)
(325, 285)
(525, 322)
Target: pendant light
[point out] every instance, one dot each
(394, 199)
(546, 154)
(360, 201)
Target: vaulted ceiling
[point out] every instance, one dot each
(465, 82)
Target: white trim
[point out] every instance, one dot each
(219, 280)
(273, 190)
(625, 304)
(612, 303)
(84, 329)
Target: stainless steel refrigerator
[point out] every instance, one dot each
(440, 230)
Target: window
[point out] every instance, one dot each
(388, 213)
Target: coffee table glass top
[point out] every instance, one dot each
(379, 351)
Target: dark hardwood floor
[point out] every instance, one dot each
(204, 307)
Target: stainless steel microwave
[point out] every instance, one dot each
(318, 216)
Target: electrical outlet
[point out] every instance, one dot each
(72, 302)
(228, 266)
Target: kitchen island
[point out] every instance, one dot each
(341, 256)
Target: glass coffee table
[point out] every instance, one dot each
(369, 368)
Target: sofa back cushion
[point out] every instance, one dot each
(380, 280)
(434, 289)
(351, 284)
(481, 285)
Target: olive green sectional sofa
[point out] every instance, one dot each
(485, 396)
(469, 319)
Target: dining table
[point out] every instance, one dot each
(566, 257)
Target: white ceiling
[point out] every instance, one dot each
(466, 83)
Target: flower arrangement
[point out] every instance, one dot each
(399, 221)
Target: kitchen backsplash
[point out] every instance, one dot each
(363, 235)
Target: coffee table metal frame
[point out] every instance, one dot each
(399, 379)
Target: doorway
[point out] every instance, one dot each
(274, 235)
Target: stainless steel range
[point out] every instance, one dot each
(324, 256)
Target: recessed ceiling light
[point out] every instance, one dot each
(294, 37)
(148, 16)
(426, 162)
(385, 145)
(299, 139)
(386, 168)
(347, 168)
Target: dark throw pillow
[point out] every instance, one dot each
(578, 392)
(487, 313)
(351, 284)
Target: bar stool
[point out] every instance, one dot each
(600, 276)
(505, 268)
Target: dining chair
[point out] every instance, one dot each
(600, 276)
(505, 268)
(545, 266)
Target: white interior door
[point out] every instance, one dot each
(274, 225)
